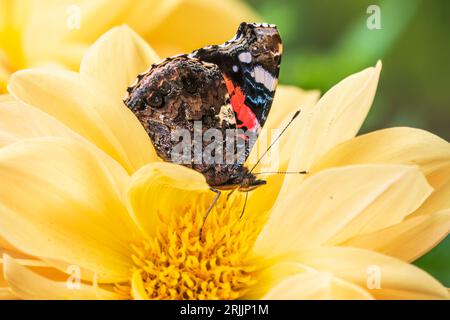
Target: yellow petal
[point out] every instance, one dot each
(290, 280)
(438, 200)
(384, 277)
(316, 286)
(6, 294)
(407, 240)
(345, 290)
(396, 146)
(337, 117)
(61, 200)
(339, 203)
(74, 24)
(84, 106)
(12, 13)
(6, 98)
(4, 77)
(195, 23)
(287, 101)
(3, 283)
(19, 121)
(116, 59)
(145, 15)
(304, 286)
(6, 247)
(141, 15)
(163, 188)
(13, 18)
(40, 267)
(46, 18)
(26, 284)
(137, 287)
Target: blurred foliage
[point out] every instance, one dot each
(326, 40)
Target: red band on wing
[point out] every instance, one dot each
(244, 114)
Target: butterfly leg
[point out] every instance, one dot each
(245, 204)
(216, 198)
(230, 193)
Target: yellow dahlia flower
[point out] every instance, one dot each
(48, 32)
(84, 197)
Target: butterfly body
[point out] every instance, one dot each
(229, 87)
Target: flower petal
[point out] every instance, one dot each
(116, 59)
(194, 23)
(290, 280)
(4, 77)
(337, 117)
(384, 277)
(162, 188)
(19, 121)
(287, 101)
(137, 287)
(84, 106)
(316, 286)
(6, 98)
(395, 146)
(73, 211)
(6, 247)
(141, 15)
(439, 200)
(3, 283)
(6, 294)
(304, 286)
(27, 284)
(339, 203)
(145, 15)
(407, 240)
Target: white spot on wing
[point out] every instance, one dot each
(227, 114)
(264, 77)
(245, 57)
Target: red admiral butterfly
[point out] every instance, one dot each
(227, 87)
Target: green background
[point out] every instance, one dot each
(326, 40)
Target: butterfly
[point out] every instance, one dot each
(226, 87)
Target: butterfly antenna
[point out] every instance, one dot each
(282, 172)
(277, 138)
(216, 198)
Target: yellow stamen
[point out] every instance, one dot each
(176, 264)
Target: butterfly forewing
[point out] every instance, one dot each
(250, 64)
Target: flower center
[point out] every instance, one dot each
(177, 264)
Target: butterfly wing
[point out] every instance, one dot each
(250, 65)
(221, 87)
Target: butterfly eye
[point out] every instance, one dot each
(165, 88)
(189, 83)
(155, 100)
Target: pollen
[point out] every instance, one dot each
(177, 264)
